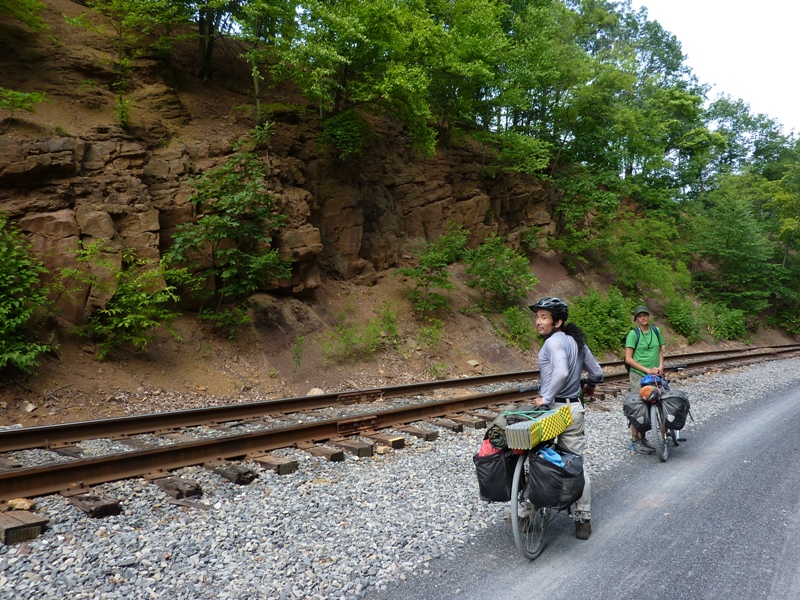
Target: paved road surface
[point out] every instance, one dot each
(718, 520)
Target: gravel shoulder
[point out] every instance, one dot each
(329, 530)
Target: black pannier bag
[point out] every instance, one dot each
(676, 408)
(495, 473)
(637, 412)
(551, 486)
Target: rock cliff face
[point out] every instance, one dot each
(69, 175)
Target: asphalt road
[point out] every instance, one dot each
(718, 520)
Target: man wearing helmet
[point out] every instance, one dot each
(562, 357)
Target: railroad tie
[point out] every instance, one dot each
(281, 465)
(238, 474)
(356, 447)
(20, 525)
(429, 435)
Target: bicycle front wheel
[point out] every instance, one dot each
(528, 523)
(659, 425)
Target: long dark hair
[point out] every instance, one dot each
(576, 333)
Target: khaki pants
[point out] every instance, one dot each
(636, 381)
(574, 440)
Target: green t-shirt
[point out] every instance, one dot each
(647, 352)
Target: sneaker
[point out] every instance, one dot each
(647, 444)
(640, 448)
(583, 529)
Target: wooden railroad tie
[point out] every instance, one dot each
(69, 450)
(20, 525)
(96, 506)
(8, 464)
(238, 474)
(179, 487)
(428, 435)
(393, 441)
(356, 447)
(279, 464)
(447, 424)
(332, 454)
(135, 444)
(469, 421)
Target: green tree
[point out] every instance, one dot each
(140, 303)
(431, 274)
(501, 274)
(604, 318)
(227, 247)
(13, 101)
(646, 254)
(732, 242)
(22, 300)
(360, 54)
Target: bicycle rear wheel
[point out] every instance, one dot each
(659, 425)
(528, 523)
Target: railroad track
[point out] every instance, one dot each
(153, 445)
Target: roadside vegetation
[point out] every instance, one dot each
(680, 198)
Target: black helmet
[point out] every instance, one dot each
(554, 306)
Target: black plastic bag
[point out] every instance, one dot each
(676, 408)
(551, 486)
(637, 412)
(495, 473)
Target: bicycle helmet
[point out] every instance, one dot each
(554, 306)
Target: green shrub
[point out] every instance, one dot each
(350, 339)
(122, 111)
(12, 101)
(682, 315)
(520, 153)
(431, 273)
(519, 327)
(723, 323)
(431, 334)
(605, 319)
(228, 247)
(347, 132)
(297, 351)
(22, 298)
(141, 303)
(227, 320)
(501, 274)
(645, 255)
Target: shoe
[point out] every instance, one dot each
(647, 444)
(639, 447)
(583, 529)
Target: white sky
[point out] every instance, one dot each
(747, 49)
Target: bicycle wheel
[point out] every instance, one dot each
(528, 523)
(659, 425)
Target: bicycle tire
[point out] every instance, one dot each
(659, 425)
(529, 530)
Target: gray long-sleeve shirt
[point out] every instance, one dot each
(560, 367)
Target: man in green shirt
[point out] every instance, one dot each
(644, 354)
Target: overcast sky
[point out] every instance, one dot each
(745, 49)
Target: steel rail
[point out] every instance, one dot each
(53, 436)
(60, 477)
